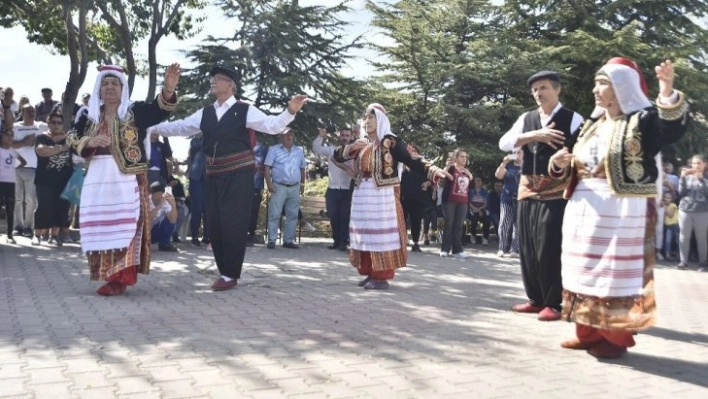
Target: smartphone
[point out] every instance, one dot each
(513, 156)
(168, 190)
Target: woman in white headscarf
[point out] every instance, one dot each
(111, 135)
(609, 224)
(377, 230)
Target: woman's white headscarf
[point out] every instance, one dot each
(95, 102)
(383, 125)
(628, 84)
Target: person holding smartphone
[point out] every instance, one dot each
(163, 216)
(509, 171)
(693, 211)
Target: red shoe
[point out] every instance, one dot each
(110, 289)
(527, 307)
(549, 314)
(222, 285)
(577, 344)
(606, 350)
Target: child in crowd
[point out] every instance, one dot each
(671, 225)
(8, 158)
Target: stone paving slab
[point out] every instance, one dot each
(297, 326)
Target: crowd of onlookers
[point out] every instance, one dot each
(35, 166)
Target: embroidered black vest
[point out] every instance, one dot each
(228, 135)
(537, 155)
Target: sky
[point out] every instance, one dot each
(28, 67)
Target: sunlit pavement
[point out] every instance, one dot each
(297, 326)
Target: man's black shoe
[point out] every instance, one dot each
(343, 247)
(270, 245)
(291, 245)
(167, 248)
(333, 246)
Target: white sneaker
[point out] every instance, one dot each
(36, 240)
(460, 255)
(485, 242)
(444, 254)
(513, 254)
(500, 254)
(309, 227)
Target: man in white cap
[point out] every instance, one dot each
(228, 127)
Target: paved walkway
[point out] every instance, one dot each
(298, 327)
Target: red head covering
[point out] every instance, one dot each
(629, 63)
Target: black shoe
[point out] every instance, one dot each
(270, 245)
(205, 242)
(19, 231)
(28, 233)
(333, 246)
(195, 242)
(291, 245)
(343, 247)
(167, 248)
(416, 248)
(175, 238)
(426, 242)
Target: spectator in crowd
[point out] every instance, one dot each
(285, 176)
(693, 211)
(45, 107)
(430, 213)
(15, 108)
(112, 136)
(8, 159)
(7, 117)
(24, 100)
(671, 181)
(196, 172)
(260, 151)
(608, 228)
(455, 202)
(413, 192)
(478, 196)
(58, 109)
(539, 133)
(509, 171)
(494, 206)
(160, 153)
(163, 217)
(377, 230)
(671, 226)
(180, 198)
(339, 194)
(54, 169)
(85, 99)
(25, 135)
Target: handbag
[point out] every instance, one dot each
(72, 190)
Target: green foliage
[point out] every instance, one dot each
(453, 72)
(282, 49)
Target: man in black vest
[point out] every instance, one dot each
(228, 128)
(540, 133)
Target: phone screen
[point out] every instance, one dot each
(168, 190)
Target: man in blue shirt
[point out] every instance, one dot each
(285, 176)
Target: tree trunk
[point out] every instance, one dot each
(78, 56)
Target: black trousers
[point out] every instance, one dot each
(413, 211)
(52, 210)
(228, 205)
(540, 226)
(339, 206)
(255, 209)
(475, 219)
(7, 198)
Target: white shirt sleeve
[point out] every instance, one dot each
(320, 149)
(508, 141)
(186, 127)
(269, 124)
(576, 122)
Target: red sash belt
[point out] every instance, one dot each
(216, 166)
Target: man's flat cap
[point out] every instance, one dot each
(551, 75)
(46, 89)
(230, 72)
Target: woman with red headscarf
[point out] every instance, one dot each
(609, 223)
